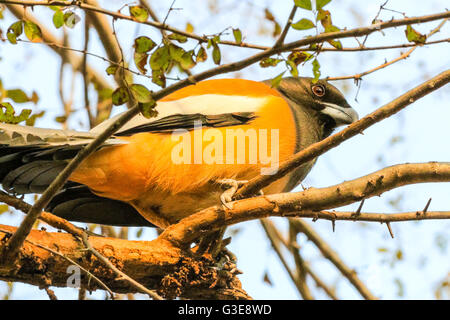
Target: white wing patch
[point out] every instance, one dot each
(208, 104)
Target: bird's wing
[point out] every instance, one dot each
(224, 98)
(78, 203)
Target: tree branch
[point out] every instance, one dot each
(316, 149)
(155, 264)
(331, 255)
(303, 204)
(275, 240)
(49, 38)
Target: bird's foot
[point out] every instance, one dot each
(232, 186)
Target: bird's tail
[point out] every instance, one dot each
(31, 158)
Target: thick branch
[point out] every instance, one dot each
(312, 199)
(155, 264)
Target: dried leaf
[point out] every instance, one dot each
(269, 62)
(140, 60)
(120, 96)
(202, 55)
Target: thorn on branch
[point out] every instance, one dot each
(424, 211)
(333, 221)
(358, 211)
(388, 224)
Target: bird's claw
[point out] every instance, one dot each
(226, 198)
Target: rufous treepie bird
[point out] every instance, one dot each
(156, 171)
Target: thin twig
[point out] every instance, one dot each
(384, 65)
(69, 260)
(331, 255)
(269, 229)
(50, 219)
(85, 75)
(119, 273)
(51, 294)
(327, 36)
(283, 34)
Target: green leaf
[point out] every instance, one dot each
(321, 3)
(159, 60)
(331, 28)
(237, 35)
(216, 54)
(143, 44)
(292, 68)
(14, 31)
(9, 116)
(159, 78)
(112, 69)
(303, 24)
(335, 43)
(304, 4)
(32, 31)
(414, 36)
(140, 60)
(316, 70)
(120, 96)
(275, 82)
(58, 19)
(177, 37)
(269, 62)
(148, 109)
(32, 119)
(17, 95)
(176, 52)
(187, 60)
(71, 19)
(139, 13)
(202, 55)
(141, 93)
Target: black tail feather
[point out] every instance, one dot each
(78, 203)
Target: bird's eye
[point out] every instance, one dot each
(318, 90)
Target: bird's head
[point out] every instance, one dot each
(321, 99)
